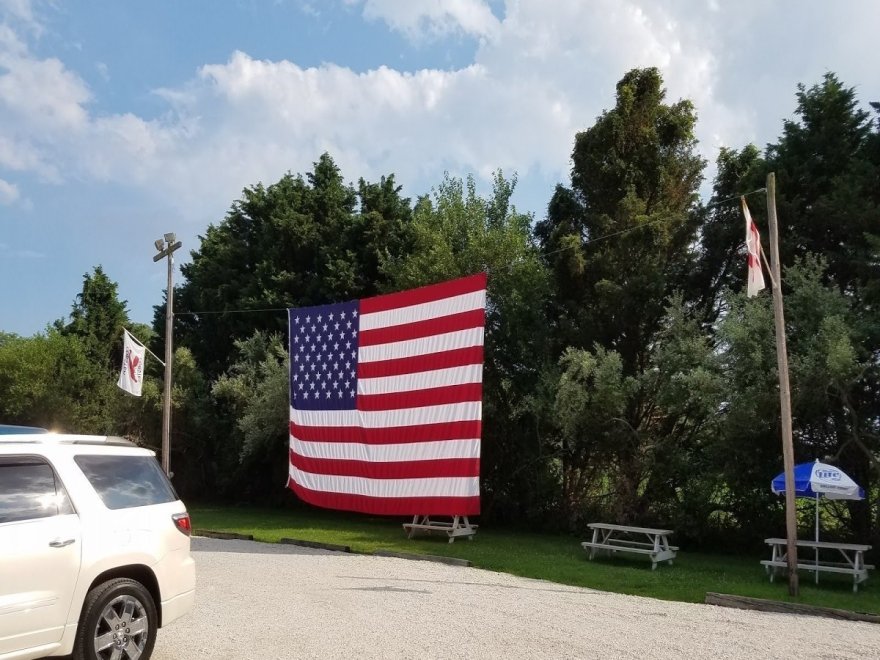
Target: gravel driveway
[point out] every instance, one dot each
(258, 600)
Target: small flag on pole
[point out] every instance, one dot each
(131, 378)
(753, 245)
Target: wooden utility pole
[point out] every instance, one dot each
(166, 247)
(784, 391)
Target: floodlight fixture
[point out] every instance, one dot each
(170, 237)
(159, 243)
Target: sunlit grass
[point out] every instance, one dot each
(544, 556)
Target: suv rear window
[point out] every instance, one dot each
(127, 481)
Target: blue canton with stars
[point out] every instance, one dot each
(323, 356)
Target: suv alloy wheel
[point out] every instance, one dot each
(118, 622)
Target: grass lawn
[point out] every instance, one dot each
(546, 557)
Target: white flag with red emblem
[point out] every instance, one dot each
(753, 246)
(131, 378)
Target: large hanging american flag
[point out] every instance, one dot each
(386, 401)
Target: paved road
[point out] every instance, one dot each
(267, 601)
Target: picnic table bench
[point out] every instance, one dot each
(636, 540)
(853, 555)
(458, 526)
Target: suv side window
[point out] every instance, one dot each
(29, 489)
(123, 482)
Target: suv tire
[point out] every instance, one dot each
(120, 602)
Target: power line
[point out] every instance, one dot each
(233, 311)
(731, 199)
(602, 238)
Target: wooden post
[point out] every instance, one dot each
(784, 392)
(166, 246)
(169, 358)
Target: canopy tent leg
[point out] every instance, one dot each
(817, 538)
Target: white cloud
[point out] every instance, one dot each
(44, 93)
(540, 74)
(21, 12)
(19, 155)
(10, 44)
(41, 92)
(8, 193)
(42, 109)
(434, 18)
(248, 120)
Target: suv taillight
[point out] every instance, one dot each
(182, 522)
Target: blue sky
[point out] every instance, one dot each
(120, 121)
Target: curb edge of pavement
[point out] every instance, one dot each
(211, 534)
(453, 561)
(315, 544)
(781, 607)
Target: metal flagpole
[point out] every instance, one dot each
(784, 392)
(166, 247)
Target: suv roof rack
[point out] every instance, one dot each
(68, 439)
(107, 440)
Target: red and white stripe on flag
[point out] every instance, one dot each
(386, 401)
(753, 247)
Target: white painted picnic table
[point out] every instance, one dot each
(457, 527)
(853, 555)
(627, 538)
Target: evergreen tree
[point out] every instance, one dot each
(300, 241)
(98, 317)
(619, 243)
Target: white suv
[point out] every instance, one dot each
(94, 548)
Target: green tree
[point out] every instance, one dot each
(98, 317)
(827, 174)
(65, 378)
(619, 242)
(49, 380)
(826, 163)
(78, 372)
(256, 390)
(618, 239)
(300, 241)
(828, 366)
(645, 468)
(828, 169)
(457, 232)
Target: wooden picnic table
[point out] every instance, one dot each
(627, 538)
(853, 555)
(457, 527)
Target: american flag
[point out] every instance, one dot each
(386, 401)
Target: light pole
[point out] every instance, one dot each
(166, 246)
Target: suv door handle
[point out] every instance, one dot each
(58, 543)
